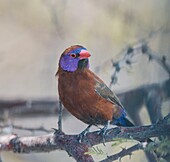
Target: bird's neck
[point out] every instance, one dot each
(83, 64)
(63, 72)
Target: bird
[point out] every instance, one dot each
(85, 95)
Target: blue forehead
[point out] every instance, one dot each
(77, 50)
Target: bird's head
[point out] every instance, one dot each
(74, 58)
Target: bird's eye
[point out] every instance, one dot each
(73, 55)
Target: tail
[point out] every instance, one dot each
(123, 121)
(128, 123)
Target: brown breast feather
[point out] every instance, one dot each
(78, 95)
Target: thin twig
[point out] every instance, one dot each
(60, 116)
(12, 126)
(125, 152)
(161, 60)
(139, 47)
(130, 52)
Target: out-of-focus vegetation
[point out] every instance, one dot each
(34, 33)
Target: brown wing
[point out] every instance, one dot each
(104, 91)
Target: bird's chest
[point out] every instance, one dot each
(78, 95)
(75, 90)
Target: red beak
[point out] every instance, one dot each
(84, 54)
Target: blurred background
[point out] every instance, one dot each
(33, 34)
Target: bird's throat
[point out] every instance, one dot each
(82, 64)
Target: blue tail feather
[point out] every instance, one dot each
(123, 121)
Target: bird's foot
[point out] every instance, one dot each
(57, 131)
(103, 131)
(83, 134)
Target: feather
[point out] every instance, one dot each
(83, 93)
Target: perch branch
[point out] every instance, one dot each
(75, 149)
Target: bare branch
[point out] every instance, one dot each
(128, 53)
(69, 143)
(125, 152)
(161, 60)
(46, 143)
(13, 126)
(139, 47)
(29, 107)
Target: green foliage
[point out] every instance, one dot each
(118, 141)
(161, 147)
(95, 150)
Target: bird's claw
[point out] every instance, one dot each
(80, 136)
(103, 132)
(83, 134)
(57, 131)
